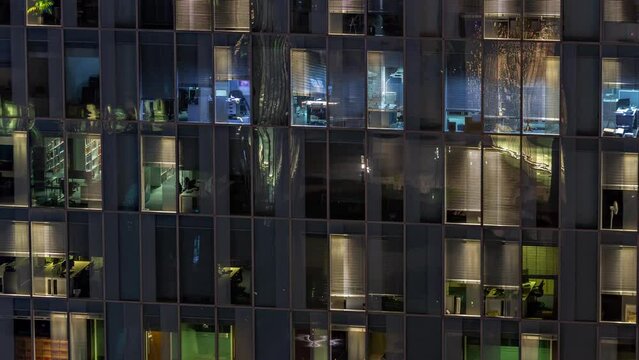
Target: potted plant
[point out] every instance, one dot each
(40, 8)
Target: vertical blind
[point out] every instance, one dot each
(347, 265)
(618, 268)
(463, 259)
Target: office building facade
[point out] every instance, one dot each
(319, 179)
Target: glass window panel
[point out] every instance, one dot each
(502, 19)
(84, 169)
(81, 13)
(44, 68)
(580, 271)
(501, 180)
(579, 183)
(310, 264)
(423, 333)
(620, 92)
(424, 167)
(197, 333)
(271, 263)
(347, 172)
(423, 18)
(308, 87)
(385, 187)
(348, 336)
(122, 256)
(195, 178)
(194, 66)
(463, 191)
(15, 325)
(193, 15)
(233, 170)
(308, 16)
(118, 13)
(385, 89)
(235, 334)
(86, 336)
(542, 19)
(124, 327)
(159, 259)
(617, 342)
(385, 248)
(501, 264)
(348, 268)
(580, 83)
(48, 253)
(234, 261)
(271, 80)
(540, 181)
(500, 340)
(156, 75)
(579, 341)
(310, 336)
(463, 18)
(272, 334)
(15, 262)
(423, 269)
(232, 15)
(264, 16)
(618, 279)
(86, 262)
(13, 162)
(47, 154)
(541, 88)
(539, 346)
(462, 339)
(12, 72)
(619, 185)
(424, 70)
(502, 87)
(620, 20)
(346, 82)
(118, 62)
(385, 17)
(196, 260)
(232, 80)
(346, 17)
(385, 337)
(121, 167)
(158, 173)
(463, 277)
(51, 334)
(463, 86)
(156, 14)
(581, 20)
(540, 268)
(309, 173)
(160, 332)
(44, 12)
(5, 12)
(271, 179)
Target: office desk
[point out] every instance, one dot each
(188, 201)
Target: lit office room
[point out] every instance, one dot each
(49, 257)
(47, 148)
(618, 273)
(620, 92)
(385, 85)
(84, 187)
(232, 81)
(15, 267)
(14, 178)
(308, 82)
(158, 172)
(619, 185)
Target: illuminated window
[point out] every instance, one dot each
(618, 283)
(463, 277)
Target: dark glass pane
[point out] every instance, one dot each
(233, 170)
(234, 261)
(385, 17)
(156, 76)
(385, 279)
(308, 16)
(308, 177)
(423, 270)
(122, 256)
(347, 174)
(423, 80)
(580, 81)
(269, 16)
(86, 262)
(14, 183)
(118, 13)
(500, 340)
(123, 330)
(578, 276)
(194, 66)
(462, 339)
(386, 337)
(119, 84)
(156, 14)
(579, 183)
(271, 263)
(309, 241)
(578, 342)
(424, 167)
(195, 178)
(346, 82)
(15, 325)
(424, 17)
(121, 167)
(82, 75)
(423, 333)
(385, 187)
(463, 18)
(235, 334)
(197, 264)
(159, 259)
(81, 13)
(272, 335)
(44, 66)
(581, 20)
(12, 72)
(271, 179)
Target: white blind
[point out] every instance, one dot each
(14, 238)
(619, 170)
(618, 269)
(620, 10)
(463, 259)
(48, 239)
(502, 7)
(463, 179)
(501, 180)
(541, 82)
(193, 14)
(346, 6)
(232, 15)
(347, 265)
(308, 72)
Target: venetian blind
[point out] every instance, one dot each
(308, 72)
(193, 14)
(232, 15)
(619, 170)
(347, 265)
(158, 150)
(346, 6)
(618, 268)
(14, 238)
(501, 263)
(48, 239)
(463, 179)
(463, 259)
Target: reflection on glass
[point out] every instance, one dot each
(86, 263)
(43, 12)
(502, 19)
(195, 180)
(156, 76)
(346, 17)
(85, 171)
(620, 97)
(195, 97)
(619, 189)
(542, 19)
(44, 69)
(232, 84)
(14, 258)
(620, 20)
(270, 179)
(462, 339)
(87, 337)
(540, 181)
(463, 86)
(348, 342)
(158, 173)
(308, 87)
(234, 261)
(385, 89)
(348, 286)
(51, 335)
(385, 249)
(617, 343)
(310, 336)
(502, 87)
(160, 333)
(48, 251)
(463, 191)
(13, 162)
(385, 337)
(463, 277)
(82, 75)
(540, 268)
(538, 347)
(501, 179)
(463, 18)
(541, 88)
(500, 340)
(232, 15)
(346, 82)
(197, 334)
(618, 283)
(47, 166)
(385, 17)
(501, 279)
